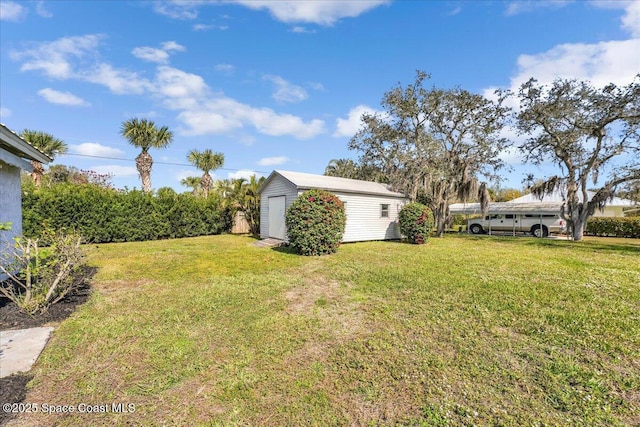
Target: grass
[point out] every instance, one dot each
(464, 330)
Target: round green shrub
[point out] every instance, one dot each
(416, 222)
(315, 223)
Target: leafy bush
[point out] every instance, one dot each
(106, 215)
(315, 223)
(416, 222)
(40, 277)
(614, 227)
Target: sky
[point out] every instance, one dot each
(278, 84)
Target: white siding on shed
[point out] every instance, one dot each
(364, 221)
(362, 199)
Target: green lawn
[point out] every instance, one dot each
(461, 331)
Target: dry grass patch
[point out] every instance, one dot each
(460, 331)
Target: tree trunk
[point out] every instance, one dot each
(38, 171)
(205, 183)
(440, 216)
(144, 163)
(579, 224)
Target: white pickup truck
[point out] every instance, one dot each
(539, 225)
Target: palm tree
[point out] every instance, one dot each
(206, 161)
(192, 182)
(144, 134)
(249, 201)
(47, 144)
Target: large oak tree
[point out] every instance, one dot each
(588, 132)
(439, 142)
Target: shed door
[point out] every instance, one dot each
(276, 217)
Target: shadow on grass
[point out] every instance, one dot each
(285, 249)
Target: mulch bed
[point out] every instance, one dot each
(13, 389)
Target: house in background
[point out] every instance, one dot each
(15, 155)
(371, 208)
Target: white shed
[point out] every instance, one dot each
(372, 209)
(15, 154)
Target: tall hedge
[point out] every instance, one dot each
(103, 215)
(416, 222)
(614, 227)
(315, 223)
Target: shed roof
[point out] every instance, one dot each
(307, 181)
(14, 144)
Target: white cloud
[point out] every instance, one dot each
(202, 27)
(320, 12)
(269, 122)
(95, 149)
(160, 56)
(177, 84)
(62, 98)
(455, 11)
(350, 126)
(171, 46)
(631, 19)
(121, 82)
(243, 173)
(602, 63)
(302, 30)
(225, 68)
(5, 113)
(523, 6)
(285, 91)
(151, 54)
(204, 112)
(117, 170)
(272, 161)
(201, 122)
(54, 58)
(176, 9)
(200, 109)
(40, 10)
(316, 86)
(12, 11)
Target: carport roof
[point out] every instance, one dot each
(506, 207)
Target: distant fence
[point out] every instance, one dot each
(240, 224)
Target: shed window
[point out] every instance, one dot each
(384, 211)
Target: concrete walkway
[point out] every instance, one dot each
(20, 348)
(268, 243)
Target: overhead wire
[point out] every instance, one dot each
(157, 162)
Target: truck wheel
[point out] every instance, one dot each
(536, 231)
(476, 228)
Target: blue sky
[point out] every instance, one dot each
(279, 84)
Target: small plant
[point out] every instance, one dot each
(416, 222)
(39, 277)
(5, 226)
(315, 223)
